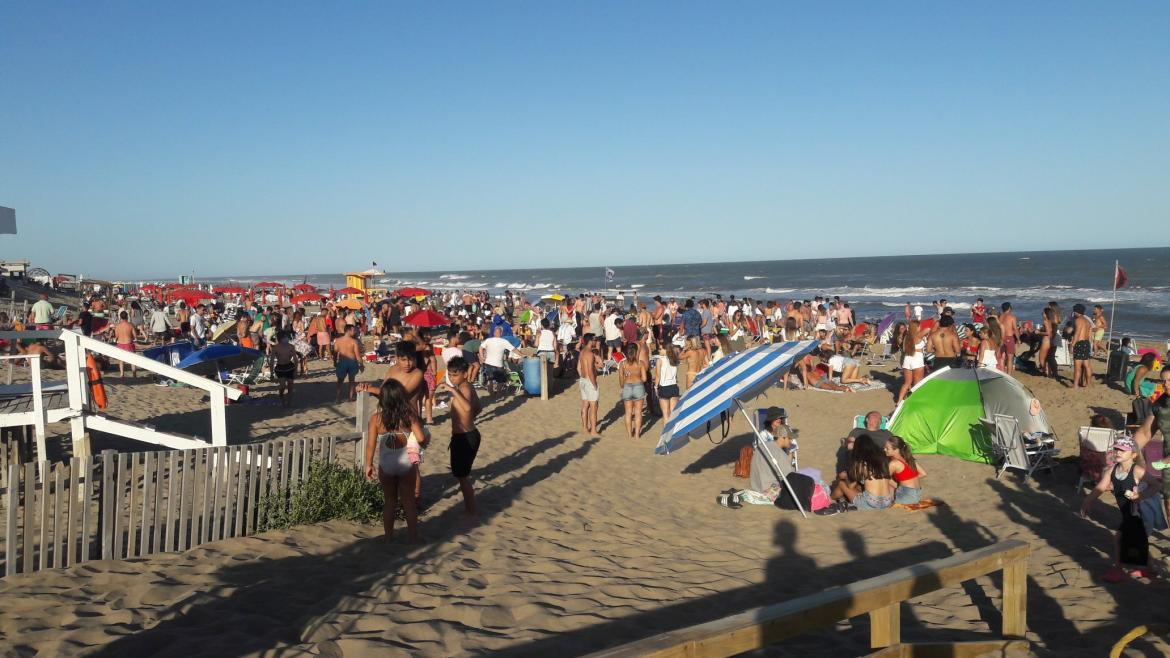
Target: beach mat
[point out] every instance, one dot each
(925, 503)
(872, 386)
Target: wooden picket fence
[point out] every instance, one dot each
(118, 506)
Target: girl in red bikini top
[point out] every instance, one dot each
(903, 467)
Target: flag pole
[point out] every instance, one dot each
(1113, 308)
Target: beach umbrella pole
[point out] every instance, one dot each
(771, 460)
(1113, 307)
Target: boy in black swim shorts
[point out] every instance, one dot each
(464, 435)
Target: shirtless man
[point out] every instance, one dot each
(1099, 328)
(1082, 347)
(945, 344)
(465, 437)
(123, 334)
(347, 362)
(406, 372)
(588, 364)
(37, 348)
(1011, 332)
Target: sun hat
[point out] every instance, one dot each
(774, 413)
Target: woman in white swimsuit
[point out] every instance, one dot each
(989, 346)
(398, 438)
(913, 361)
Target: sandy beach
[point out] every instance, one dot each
(582, 544)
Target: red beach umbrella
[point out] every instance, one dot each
(307, 297)
(305, 287)
(412, 292)
(426, 319)
(150, 287)
(191, 296)
(348, 291)
(268, 284)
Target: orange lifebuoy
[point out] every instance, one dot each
(97, 390)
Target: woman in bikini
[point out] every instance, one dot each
(869, 469)
(1046, 331)
(632, 378)
(905, 471)
(913, 360)
(397, 436)
(693, 356)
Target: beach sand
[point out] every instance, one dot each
(585, 543)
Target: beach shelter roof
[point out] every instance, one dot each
(349, 291)
(306, 287)
(210, 360)
(740, 376)
(942, 414)
(191, 296)
(411, 292)
(150, 287)
(426, 318)
(268, 284)
(351, 304)
(307, 297)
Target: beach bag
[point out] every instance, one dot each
(803, 485)
(743, 465)
(820, 499)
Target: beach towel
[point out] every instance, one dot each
(872, 386)
(925, 503)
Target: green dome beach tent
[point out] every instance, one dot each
(941, 416)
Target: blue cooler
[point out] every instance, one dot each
(531, 376)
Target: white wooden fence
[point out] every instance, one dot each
(116, 506)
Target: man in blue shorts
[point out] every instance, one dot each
(347, 362)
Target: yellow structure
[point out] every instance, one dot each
(359, 280)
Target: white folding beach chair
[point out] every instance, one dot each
(1012, 451)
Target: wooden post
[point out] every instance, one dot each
(360, 411)
(885, 626)
(56, 559)
(1015, 598)
(71, 526)
(544, 366)
(130, 552)
(46, 481)
(39, 417)
(123, 476)
(204, 468)
(218, 417)
(185, 495)
(87, 466)
(217, 471)
(12, 500)
(30, 479)
(160, 472)
(242, 472)
(74, 365)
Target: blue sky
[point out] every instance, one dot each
(152, 139)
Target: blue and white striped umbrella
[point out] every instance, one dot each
(740, 377)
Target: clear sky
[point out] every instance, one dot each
(151, 139)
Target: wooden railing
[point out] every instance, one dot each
(117, 506)
(879, 597)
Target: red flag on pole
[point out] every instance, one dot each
(1119, 278)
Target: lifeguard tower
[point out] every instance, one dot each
(362, 280)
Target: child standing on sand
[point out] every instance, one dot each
(1125, 480)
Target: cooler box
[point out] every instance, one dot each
(1117, 366)
(531, 376)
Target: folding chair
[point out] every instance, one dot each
(859, 421)
(1012, 451)
(1096, 453)
(877, 353)
(245, 376)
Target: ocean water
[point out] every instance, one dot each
(874, 286)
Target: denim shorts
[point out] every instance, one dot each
(907, 495)
(867, 501)
(634, 391)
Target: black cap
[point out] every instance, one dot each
(774, 413)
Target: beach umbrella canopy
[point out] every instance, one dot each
(268, 284)
(307, 297)
(739, 377)
(426, 318)
(412, 292)
(859, 330)
(885, 325)
(212, 359)
(555, 297)
(348, 291)
(942, 415)
(150, 287)
(191, 296)
(351, 304)
(307, 287)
